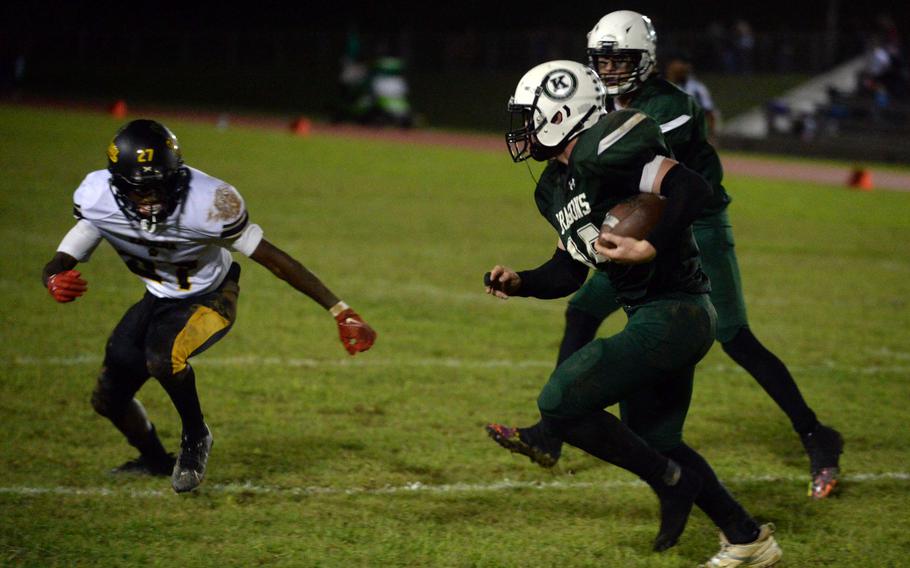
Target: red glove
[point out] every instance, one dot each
(66, 286)
(356, 335)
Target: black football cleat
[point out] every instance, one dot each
(145, 465)
(190, 467)
(514, 440)
(824, 446)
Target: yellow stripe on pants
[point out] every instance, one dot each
(202, 325)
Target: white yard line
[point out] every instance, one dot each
(436, 362)
(411, 488)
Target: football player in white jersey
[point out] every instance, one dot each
(175, 227)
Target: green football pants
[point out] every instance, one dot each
(648, 368)
(714, 236)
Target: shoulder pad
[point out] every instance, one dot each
(90, 194)
(627, 137)
(215, 207)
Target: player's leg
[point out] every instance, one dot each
(823, 444)
(122, 375)
(587, 309)
(179, 331)
(657, 415)
(659, 346)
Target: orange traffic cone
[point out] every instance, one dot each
(301, 126)
(860, 179)
(118, 109)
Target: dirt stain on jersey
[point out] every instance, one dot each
(227, 206)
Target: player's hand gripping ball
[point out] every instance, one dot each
(66, 286)
(356, 335)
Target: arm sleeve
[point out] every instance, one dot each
(80, 241)
(558, 277)
(248, 239)
(686, 193)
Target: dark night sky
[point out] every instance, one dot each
(425, 16)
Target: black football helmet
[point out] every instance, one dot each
(147, 172)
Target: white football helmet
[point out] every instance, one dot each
(553, 103)
(622, 48)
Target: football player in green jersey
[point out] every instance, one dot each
(622, 47)
(597, 160)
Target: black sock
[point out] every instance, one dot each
(182, 390)
(677, 491)
(604, 436)
(581, 327)
(730, 517)
(773, 376)
(133, 423)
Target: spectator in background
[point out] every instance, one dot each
(352, 81)
(375, 94)
(718, 47)
(896, 77)
(389, 94)
(678, 70)
(880, 76)
(743, 46)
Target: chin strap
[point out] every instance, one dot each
(149, 225)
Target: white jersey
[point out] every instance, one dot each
(186, 255)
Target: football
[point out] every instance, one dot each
(634, 217)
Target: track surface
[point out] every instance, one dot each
(769, 168)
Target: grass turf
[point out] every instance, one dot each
(404, 233)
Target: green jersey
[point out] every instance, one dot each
(608, 165)
(683, 125)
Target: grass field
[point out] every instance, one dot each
(381, 460)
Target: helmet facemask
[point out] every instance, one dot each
(150, 197)
(621, 70)
(525, 122)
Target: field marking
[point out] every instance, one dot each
(411, 488)
(437, 362)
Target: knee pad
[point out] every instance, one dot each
(549, 401)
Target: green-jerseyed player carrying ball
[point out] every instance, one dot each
(595, 161)
(622, 47)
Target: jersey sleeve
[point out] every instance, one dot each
(703, 96)
(80, 241)
(228, 221)
(248, 239)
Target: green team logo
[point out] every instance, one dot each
(559, 85)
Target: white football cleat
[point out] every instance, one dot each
(761, 553)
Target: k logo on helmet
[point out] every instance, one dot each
(560, 84)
